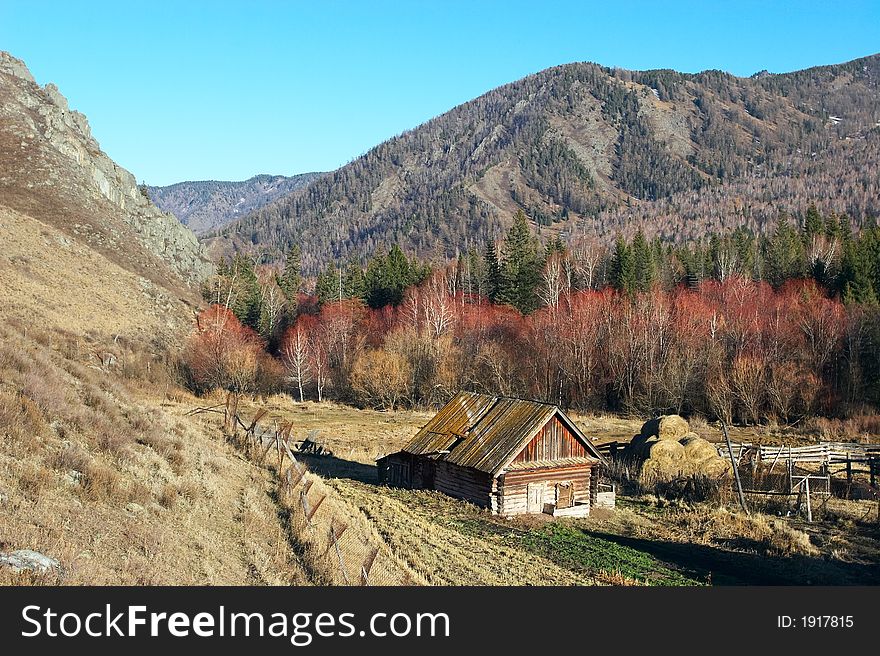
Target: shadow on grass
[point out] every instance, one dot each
(333, 467)
(724, 567)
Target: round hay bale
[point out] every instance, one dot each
(672, 427)
(656, 470)
(697, 449)
(665, 450)
(714, 466)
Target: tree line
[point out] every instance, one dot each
(745, 327)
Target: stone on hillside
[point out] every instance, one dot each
(28, 560)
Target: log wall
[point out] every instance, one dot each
(553, 442)
(465, 483)
(513, 486)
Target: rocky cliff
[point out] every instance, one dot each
(53, 169)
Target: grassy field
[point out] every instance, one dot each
(645, 541)
(107, 470)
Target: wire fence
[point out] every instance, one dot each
(337, 541)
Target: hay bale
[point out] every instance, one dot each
(666, 427)
(696, 449)
(714, 466)
(672, 427)
(666, 450)
(663, 460)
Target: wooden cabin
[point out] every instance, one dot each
(510, 455)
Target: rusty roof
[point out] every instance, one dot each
(486, 432)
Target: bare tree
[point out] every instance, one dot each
(295, 353)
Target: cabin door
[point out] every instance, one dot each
(535, 498)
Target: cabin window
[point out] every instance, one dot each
(565, 494)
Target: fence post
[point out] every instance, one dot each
(742, 497)
(849, 475)
(809, 508)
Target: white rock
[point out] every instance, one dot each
(28, 560)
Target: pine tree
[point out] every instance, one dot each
(387, 277)
(814, 224)
(643, 262)
(623, 274)
(291, 278)
(355, 284)
(494, 281)
(521, 267)
(785, 256)
(328, 287)
(246, 305)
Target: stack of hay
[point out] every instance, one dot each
(667, 449)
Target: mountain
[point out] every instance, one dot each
(599, 150)
(209, 204)
(83, 248)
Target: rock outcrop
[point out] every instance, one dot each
(46, 140)
(26, 560)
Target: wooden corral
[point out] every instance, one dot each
(510, 455)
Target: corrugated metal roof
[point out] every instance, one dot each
(485, 432)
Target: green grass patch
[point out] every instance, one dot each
(578, 550)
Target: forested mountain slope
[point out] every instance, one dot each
(208, 204)
(584, 147)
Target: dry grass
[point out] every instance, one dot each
(442, 554)
(119, 486)
(772, 535)
(64, 289)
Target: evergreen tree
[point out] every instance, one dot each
(623, 274)
(785, 256)
(246, 303)
(387, 277)
(291, 278)
(478, 273)
(354, 282)
(643, 262)
(555, 245)
(743, 242)
(494, 279)
(328, 287)
(814, 224)
(521, 266)
(855, 275)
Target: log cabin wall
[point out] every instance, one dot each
(395, 470)
(513, 486)
(465, 483)
(553, 442)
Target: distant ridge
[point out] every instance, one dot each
(203, 205)
(582, 147)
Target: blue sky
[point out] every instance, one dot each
(224, 90)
